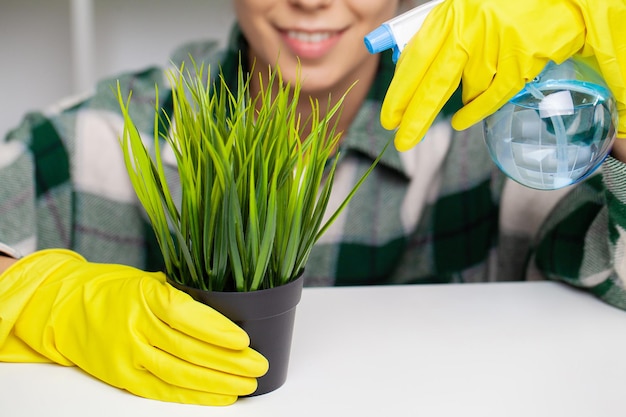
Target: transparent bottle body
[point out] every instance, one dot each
(555, 132)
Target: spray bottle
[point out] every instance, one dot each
(555, 132)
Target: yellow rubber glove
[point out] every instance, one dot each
(124, 326)
(494, 47)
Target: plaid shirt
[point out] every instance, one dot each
(441, 212)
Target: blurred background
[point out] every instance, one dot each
(54, 49)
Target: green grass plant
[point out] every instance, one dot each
(255, 178)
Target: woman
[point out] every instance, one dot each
(439, 212)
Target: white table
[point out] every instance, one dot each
(505, 350)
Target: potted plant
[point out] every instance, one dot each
(255, 179)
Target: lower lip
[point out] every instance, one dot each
(311, 50)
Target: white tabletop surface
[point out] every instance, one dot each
(505, 350)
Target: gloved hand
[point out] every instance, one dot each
(494, 47)
(124, 326)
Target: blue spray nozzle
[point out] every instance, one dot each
(379, 39)
(395, 33)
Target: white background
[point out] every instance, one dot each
(52, 49)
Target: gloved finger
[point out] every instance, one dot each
(161, 391)
(180, 311)
(418, 119)
(172, 371)
(186, 396)
(618, 88)
(613, 70)
(244, 362)
(412, 67)
(15, 350)
(614, 73)
(506, 83)
(438, 84)
(621, 133)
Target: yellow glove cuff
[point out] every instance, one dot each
(17, 286)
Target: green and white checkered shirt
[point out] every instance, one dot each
(441, 212)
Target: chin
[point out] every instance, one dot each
(317, 78)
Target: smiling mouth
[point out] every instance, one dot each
(311, 45)
(309, 37)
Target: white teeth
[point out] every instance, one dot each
(309, 37)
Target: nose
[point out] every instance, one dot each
(310, 4)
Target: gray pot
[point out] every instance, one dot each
(267, 316)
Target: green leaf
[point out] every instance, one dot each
(256, 177)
